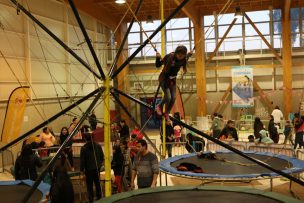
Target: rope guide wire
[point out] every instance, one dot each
(25, 73)
(224, 10)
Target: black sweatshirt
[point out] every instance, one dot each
(117, 163)
(171, 64)
(87, 157)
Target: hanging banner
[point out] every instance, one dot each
(14, 114)
(242, 87)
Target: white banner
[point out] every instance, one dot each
(242, 86)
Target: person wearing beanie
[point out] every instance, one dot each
(172, 64)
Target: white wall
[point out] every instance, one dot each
(38, 61)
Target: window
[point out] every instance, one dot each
(258, 16)
(210, 45)
(178, 23)
(134, 38)
(208, 20)
(209, 32)
(231, 44)
(226, 19)
(135, 27)
(178, 35)
(156, 38)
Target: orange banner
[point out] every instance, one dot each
(14, 114)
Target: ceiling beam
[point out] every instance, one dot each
(287, 4)
(287, 58)
(189, 10)
(102, 15)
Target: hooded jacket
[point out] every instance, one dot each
(87, 157)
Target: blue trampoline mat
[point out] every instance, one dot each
(235, 166)
(15, 191)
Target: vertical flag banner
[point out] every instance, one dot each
(242, 87)
(14, 114)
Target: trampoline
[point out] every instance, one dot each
(14, 191)
(204, 194)
(76, 160)
(231, 166)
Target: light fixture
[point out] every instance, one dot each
(149, 19)
(238, 13)
(120, 1)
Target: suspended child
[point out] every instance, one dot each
(172, 63)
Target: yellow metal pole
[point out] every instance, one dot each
(163, 50)
(107, 140)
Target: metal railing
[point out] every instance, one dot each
(6, 161)
(226, 47)
(179, 148)
(284, 149)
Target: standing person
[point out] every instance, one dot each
(132, 147)
(216, 125)
(68, 151)
(26, 163)
(277, 116)
(47, 137)
(298, 127)
(61, 188)
(93, 121)
(124, 131)
(184, 131)
(91, 160)
(288, 132)
(127, 164)
(221, 123)
(257, 127)
(117, 166)
(273, 131)
(172, 63)
(136, 131)
(145, 167)
(169, 137)
(77, 136)
(41, 149)
(229, 131)
(177, 134)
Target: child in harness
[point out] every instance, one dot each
(172, 63)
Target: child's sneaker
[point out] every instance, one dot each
(159, 110)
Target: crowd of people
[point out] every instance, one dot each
(261, 133)
(131, 157)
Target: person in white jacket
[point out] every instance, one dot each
(277, 116)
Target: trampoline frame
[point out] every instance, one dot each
(271, 195)
(297, 168)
